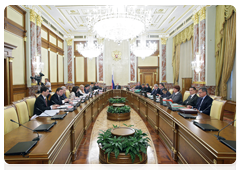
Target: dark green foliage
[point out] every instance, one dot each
(120, 100)
(123, 109)
(129, 145)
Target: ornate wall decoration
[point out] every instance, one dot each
(116, 55)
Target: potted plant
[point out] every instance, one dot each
(123, 149)
(117, 100)
(118, 113)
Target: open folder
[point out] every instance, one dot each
(50, 113)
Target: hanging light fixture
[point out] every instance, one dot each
(90, 49)
(119, 23)
(143, 49)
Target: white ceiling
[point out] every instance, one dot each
(71, 19)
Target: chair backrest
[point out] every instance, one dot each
(171, 91)
(186, 95)
(37, 94)
(217, 109)
(67, 93)
(236, 116)
(30, 101)
(22, 111)
(215, 97)
(10, 113)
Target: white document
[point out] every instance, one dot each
(33, 117)
(48, 113)
(187, 109)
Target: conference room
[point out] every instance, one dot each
(120, 84)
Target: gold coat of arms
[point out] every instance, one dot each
(116, 55)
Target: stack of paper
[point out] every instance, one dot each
(47, 113)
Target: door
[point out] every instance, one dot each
(148, 78)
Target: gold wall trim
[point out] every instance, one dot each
(195, 19)
(199, 82)
(39, 20)
(202, 13)
(69, 42)
(163, 41)
(33, 16)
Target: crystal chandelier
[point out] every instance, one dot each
(90, 49)
(196, 65)
(38, 65)
(143, 49)
(119, 23)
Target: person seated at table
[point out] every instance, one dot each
(148, 88)
(56, 98)
(155, 91)
(176, 96)
(204, 102)
(143, 87)
(192, 98)
(165, 94)
(138, 86)
(81, 90)
(118, 86)
(41, 103)
(74, 92)
(161, 86)
(64, 93)
(96, 86)
(86, 89)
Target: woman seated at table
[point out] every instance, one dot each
(81, 90)
(176, 96)
(74, 92)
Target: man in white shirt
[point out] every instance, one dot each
(48, 84)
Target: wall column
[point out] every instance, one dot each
(33, 42)
(39, 38)
(163, 63)
(195, 42)
(202, 43)
(69, 62)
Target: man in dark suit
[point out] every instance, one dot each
(64, 92)
(204, 102)
(41, 103)
(86, 89)
(192, 99)
(161, 86)
(176, 96)
(138, 86)
(165, 94)
(147, 88)
(156, 90)
(117, 86)
(96, 86)
(143, 87)
(56, 98)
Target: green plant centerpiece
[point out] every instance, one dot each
(123, 149)
(118, 113)
(117, 100)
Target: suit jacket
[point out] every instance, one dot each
(117, 87)
(63, 97)
(86, 91)
(191, 101)
(148, 89)
(166, 95)
(40, 105)
(155, 91)
(177, 98)
(143, 89)
(161, 93)
(138, 87)
(205, 104)
(55, 100)
(97, 87)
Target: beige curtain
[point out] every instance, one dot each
(186, 57)
(229, 52)
(180, 38)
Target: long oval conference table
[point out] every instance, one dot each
(186, 142)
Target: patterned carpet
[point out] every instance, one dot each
(102, 123)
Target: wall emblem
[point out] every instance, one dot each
(116, 55)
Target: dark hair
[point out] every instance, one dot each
(162, 84)
(75, 88)
(58, 89)
(43, 88)
(194, 88)
(87, 85)
(91, 82)
(147, 84)
(164, 89)
(204, 89)
(143, 84)
(177, 87)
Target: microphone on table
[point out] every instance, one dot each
(35, 139)
(222, 138)
(205, 108)
(48, 115)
